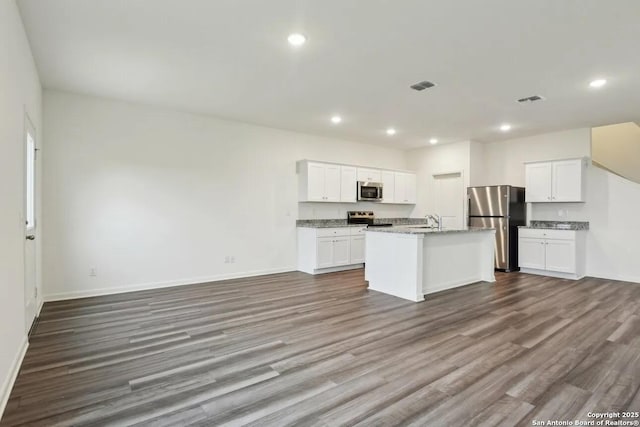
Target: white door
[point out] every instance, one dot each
(567, 181)
(30, 291)
(357, 249)
(348, 185)
(315, 182)
(324, 252)
(332, 183)
(531, 253)
(538, 182)
(399, 187)
(388, 186)
(341, 253)
(449, 198)
(561, 256)
(410, 189)
(369, 175)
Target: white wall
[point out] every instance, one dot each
(19, 92)
(478, 173)
(504, 161)
(612, 202)
(437, 160)
(151, 196)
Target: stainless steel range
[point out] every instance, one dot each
(364, 217)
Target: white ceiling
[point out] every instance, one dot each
(230, 58)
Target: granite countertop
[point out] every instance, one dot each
(558, 225)
(422, 230)
(335, 223)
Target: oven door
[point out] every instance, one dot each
(371, 191)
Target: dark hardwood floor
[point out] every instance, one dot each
(295, 349)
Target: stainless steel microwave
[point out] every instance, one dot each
(369, 191)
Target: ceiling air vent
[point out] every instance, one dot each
(422, 85)
(533, 98)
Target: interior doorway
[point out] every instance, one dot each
(449, 197)
(30, 206)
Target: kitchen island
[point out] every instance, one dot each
(410, 262)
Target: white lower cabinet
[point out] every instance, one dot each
(357, 249)
(558, 253)
(531, 253)
(322, 250)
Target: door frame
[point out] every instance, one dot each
(463, 199)
(30, 128)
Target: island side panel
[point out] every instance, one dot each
(452, 260)
(394, 264)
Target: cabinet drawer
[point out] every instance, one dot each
(357, 231)
(332, 232)
(539, 233)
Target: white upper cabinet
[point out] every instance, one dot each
(568, 179)
(405, 188)
(329, 182)
(388, 180)
(555, 181)
(319, 182)
(538, 182)
(369, 175)
(348, 184)
(315, 182)
(332, 183)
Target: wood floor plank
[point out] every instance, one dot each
(295, 349)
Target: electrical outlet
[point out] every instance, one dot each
(226, 259)
(232, 259)
(93, 272)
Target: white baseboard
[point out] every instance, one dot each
(40, 304)
(158, 285)
(619, 277)
(7, 384)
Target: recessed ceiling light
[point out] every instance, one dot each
(433, 141)
(598, 83)
(336, 119)
(505, 127)
(296, 39)
(391, 131)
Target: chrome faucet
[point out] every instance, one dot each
(434, 221)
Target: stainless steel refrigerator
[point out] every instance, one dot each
(501, 207)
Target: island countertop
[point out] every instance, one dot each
(424, 230)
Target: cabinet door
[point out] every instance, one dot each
(405, 188)
(538, 182)
(567, 181)
(388, 180)
(369, 175)
(348, 185)
(357, 249)
(561, 256)
(399, 187)
(531, 253)
(410, 190)
(315, 182)
(324, 252)
(341, 252)
(332, 182)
